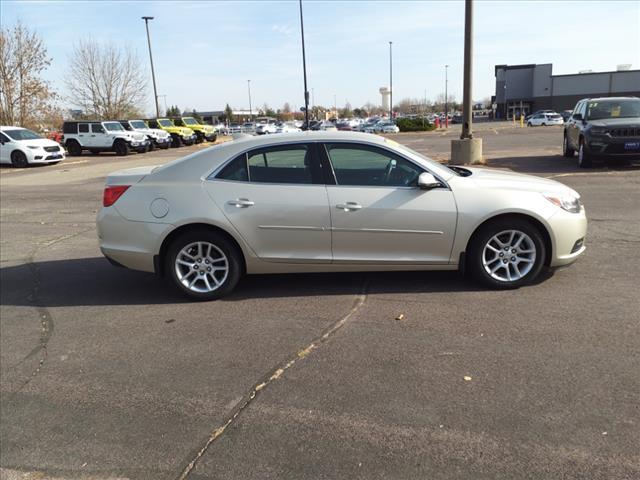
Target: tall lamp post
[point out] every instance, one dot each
(446, 96)
(153, 75)
(304, 70)
(390, 81)
(249, 89)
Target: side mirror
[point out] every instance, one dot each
(577, 116)
(427, 181)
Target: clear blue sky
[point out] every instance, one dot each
(204, 51)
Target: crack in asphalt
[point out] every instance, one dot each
(46, 320)
(274, 375)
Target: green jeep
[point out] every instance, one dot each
(203, 131)
(179, 135)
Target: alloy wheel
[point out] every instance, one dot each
(201, 267)
(509, 255)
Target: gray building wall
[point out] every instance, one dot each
(535, 85)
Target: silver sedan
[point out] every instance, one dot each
(333, 201)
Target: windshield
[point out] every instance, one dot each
(22, 134)
(138, 124)
(113, 126)
(624, 108)
(189, 121)
(166, 123)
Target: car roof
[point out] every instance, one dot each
(611, 98)
(9, 127)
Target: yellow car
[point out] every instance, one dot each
(179, 135)
(203, 132)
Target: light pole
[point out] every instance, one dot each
(304, 70)
(390, 81)
(446, 96)
(249, 89)
(153, 75)
(467, 117)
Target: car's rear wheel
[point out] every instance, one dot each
(152, 145)
(204, 264)
(567, 151)
(74, 148)
(584, 159)
(176, 141)
(507, 253)
(19, 159)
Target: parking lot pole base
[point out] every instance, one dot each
(467, 151)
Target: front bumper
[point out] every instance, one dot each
(41, 156)
(615, 147)
(568, 235)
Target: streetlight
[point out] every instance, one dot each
(153, 75)
(249, 88)
(304, 70)
(390, 81)
(446, 96)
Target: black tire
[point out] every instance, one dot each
(176, 141)
(19, 159)
(165, 146)
(121, 148)
(74, 148)
(476, 256)
(227, 282)
(199, 137)
(152, 145)
(584, 159)
(528, 124)
(567, 151)
(544, 124)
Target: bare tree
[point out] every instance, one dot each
(105, 80)
(25, 98)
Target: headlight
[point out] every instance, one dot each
(569, 203)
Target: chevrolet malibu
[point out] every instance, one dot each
(333, 202)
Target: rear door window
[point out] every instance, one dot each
(83, 128)
(294, 164)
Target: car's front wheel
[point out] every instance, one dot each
(19, 159)
(567, 151)
(121, 148)
(203, 264)
(584, 159)
(507, 253)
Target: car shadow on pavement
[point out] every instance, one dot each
(94, 282)
(557, 164)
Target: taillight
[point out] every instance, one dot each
(112, 193)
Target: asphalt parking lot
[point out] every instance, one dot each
(107, 373)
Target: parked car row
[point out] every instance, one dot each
(125, 136)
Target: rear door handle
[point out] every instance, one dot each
(349, 206)
(240, 203)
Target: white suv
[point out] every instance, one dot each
(102, 137)
(156, 136)
(22, 147)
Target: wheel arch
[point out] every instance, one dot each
(159, 259)
(541, 227)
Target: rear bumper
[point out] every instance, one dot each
(130, 244)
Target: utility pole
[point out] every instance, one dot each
(304, 70)
(390, 81)
(467, 118)
(467, 149)
(249, 88)
(153, 75)
(446, 96)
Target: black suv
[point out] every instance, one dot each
(602, 128)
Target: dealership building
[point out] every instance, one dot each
(533, 87)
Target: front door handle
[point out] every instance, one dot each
(240, 203)
(349, 206)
